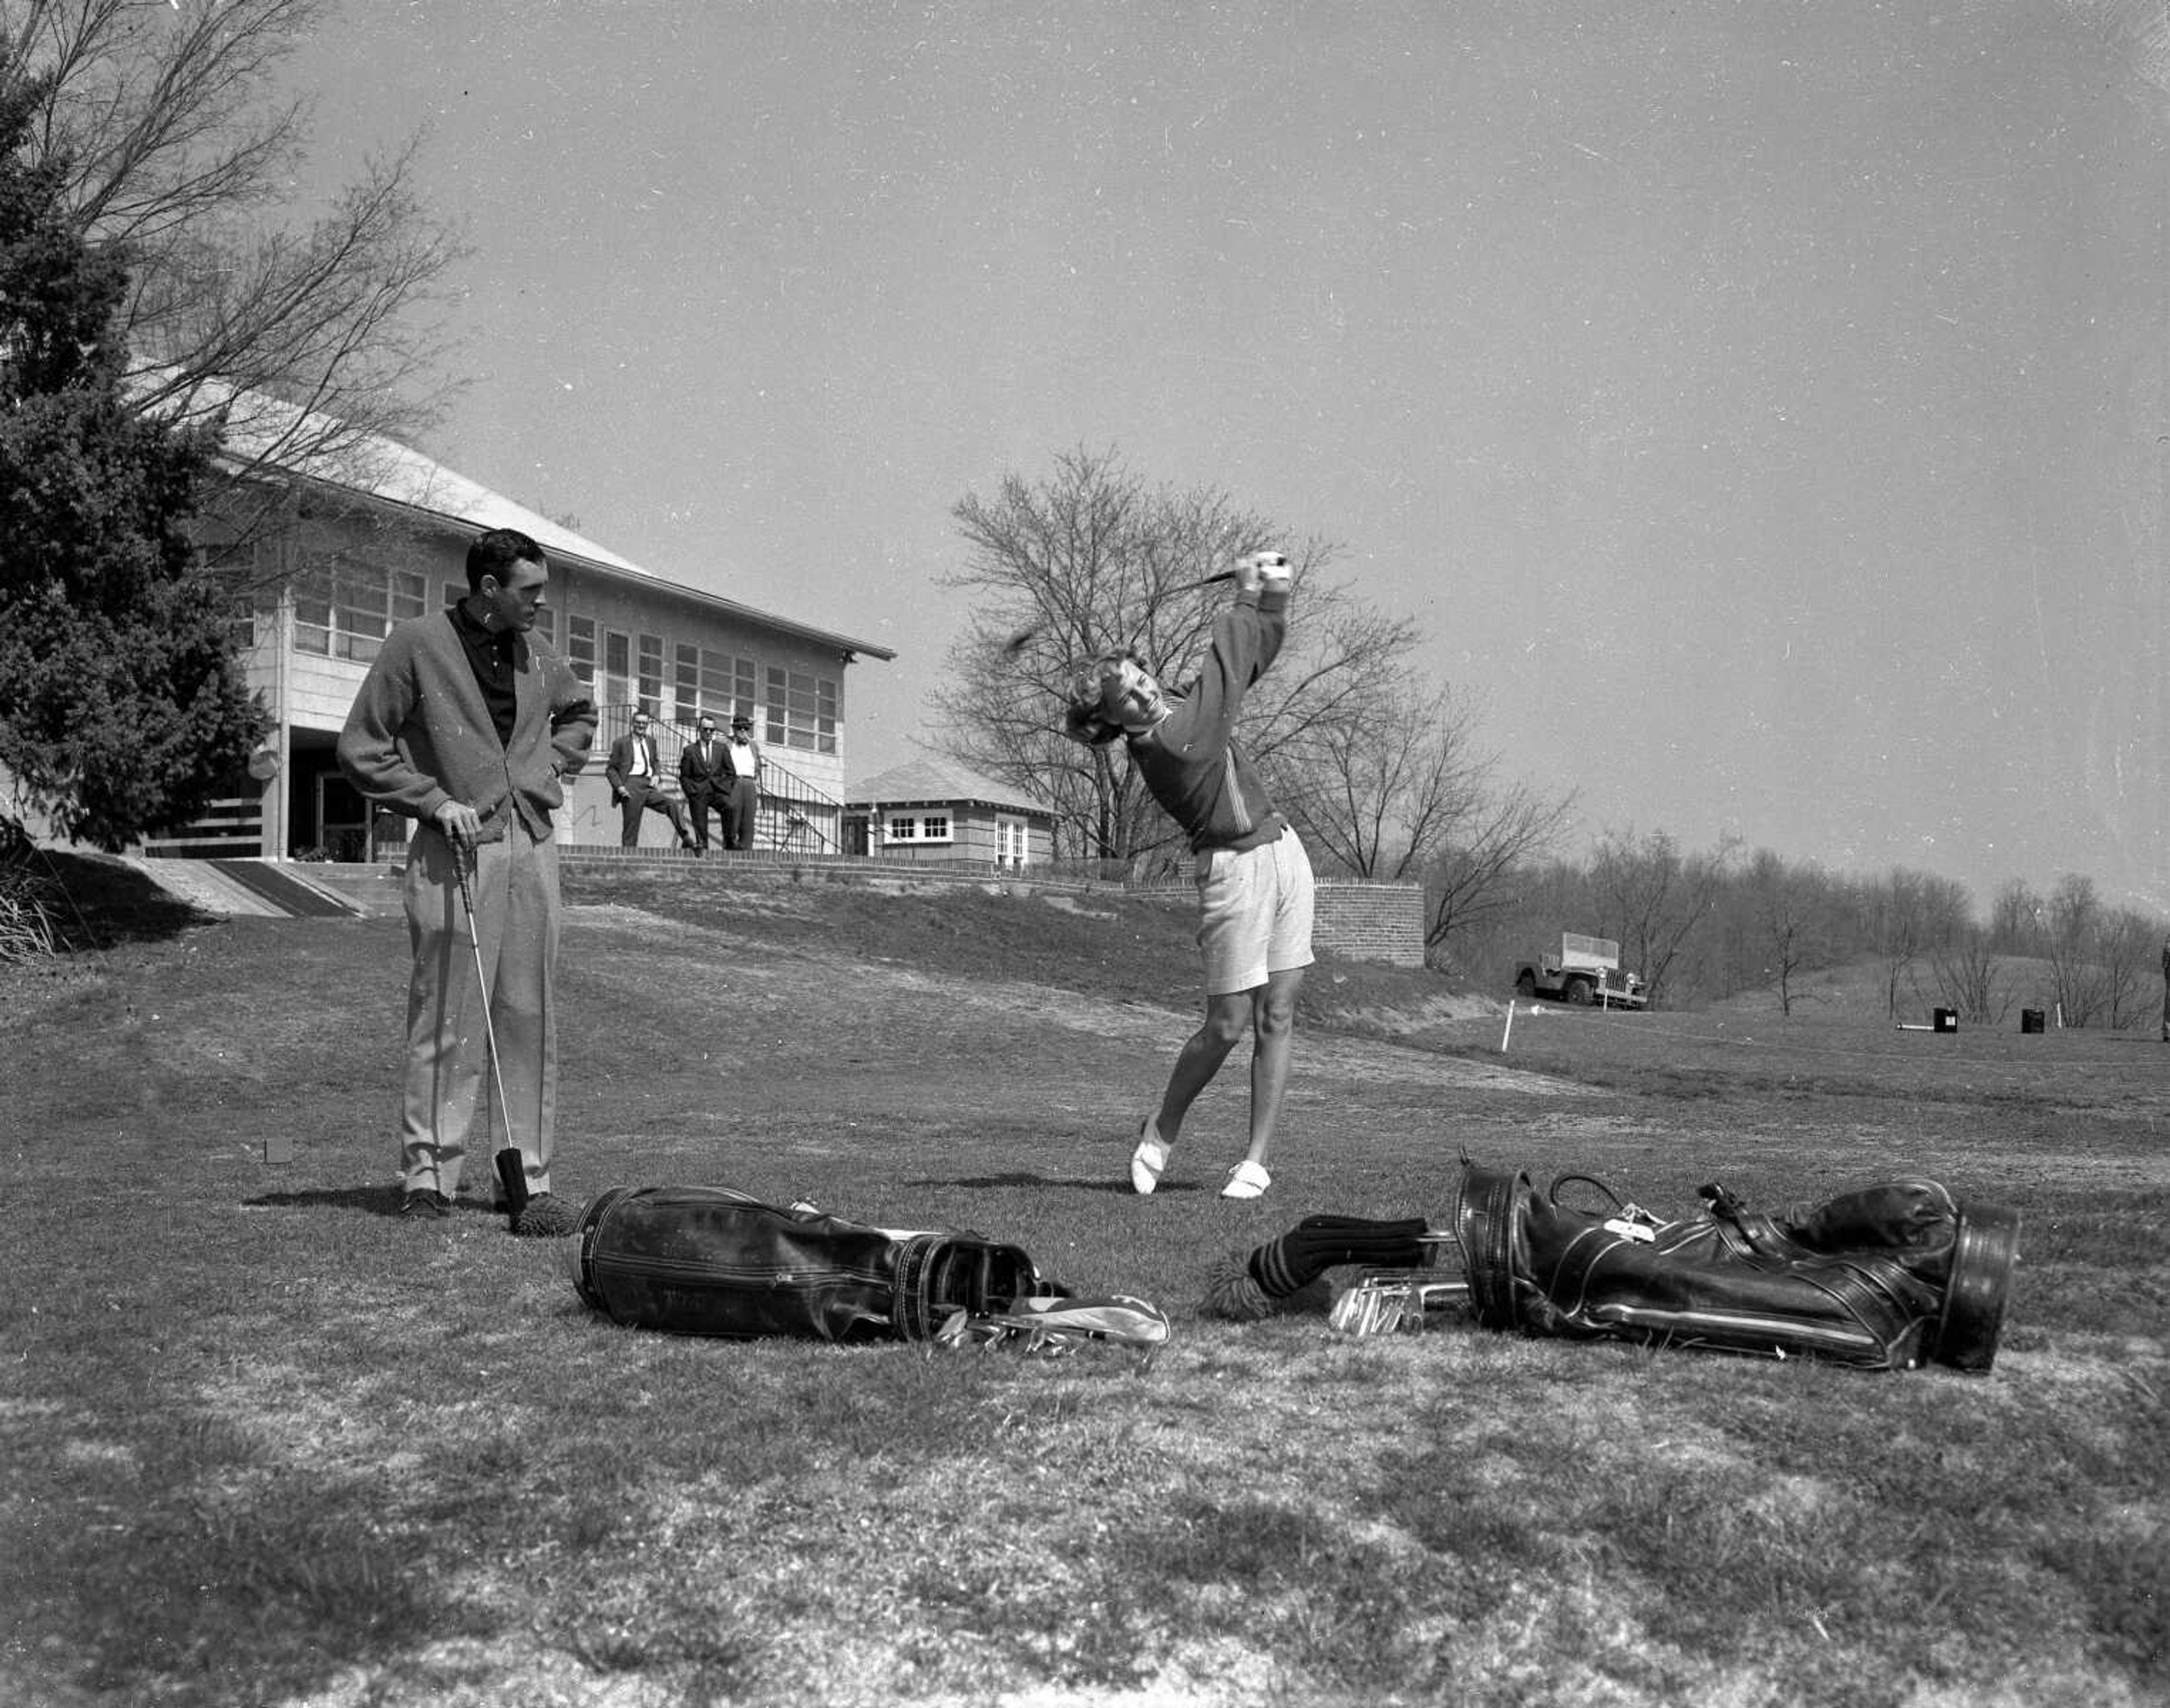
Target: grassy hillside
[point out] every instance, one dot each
(269, 1443)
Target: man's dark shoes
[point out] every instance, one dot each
(424, 1204)
(547, 1217)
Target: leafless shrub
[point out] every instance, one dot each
(26, 925)
(1974, 980)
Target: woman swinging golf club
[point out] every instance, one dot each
(1255, 881)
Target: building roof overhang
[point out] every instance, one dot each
(395, 478)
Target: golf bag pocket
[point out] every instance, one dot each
(711, 1260)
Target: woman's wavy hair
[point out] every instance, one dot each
(1085, 718)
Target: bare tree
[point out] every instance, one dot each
(1655, 896)
(1792, 915)
(1468, 884)
(1974, 981)
(2015, 919)
(1378, 787)
(2126, 947)
(1908, 913)
(299, 338)
(1093, 560)
(2071, 921)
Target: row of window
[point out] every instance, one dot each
(797, 709)
(341, 611)
(344, 610)
(1010, 843)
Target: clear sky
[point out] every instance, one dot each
(1764, 410)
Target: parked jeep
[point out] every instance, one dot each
(1586, 971)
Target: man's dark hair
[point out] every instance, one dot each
(494, 553)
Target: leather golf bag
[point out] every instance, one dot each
(710, 1260)
(1887, 1277)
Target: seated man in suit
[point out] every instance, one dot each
(636, 785)
(705, 776)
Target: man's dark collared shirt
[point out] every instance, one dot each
(494, 658)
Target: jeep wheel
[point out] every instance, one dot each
(1526, 983)
(1578, 992)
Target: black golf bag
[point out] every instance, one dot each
(1886, 1278)
(710, 1260)
(1883, 1279)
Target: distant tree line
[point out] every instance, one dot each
(1701, 925)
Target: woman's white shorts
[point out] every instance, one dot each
(1255, 912)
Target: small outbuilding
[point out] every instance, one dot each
(933, 809)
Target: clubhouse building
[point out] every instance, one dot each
(325, 558)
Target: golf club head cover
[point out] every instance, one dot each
(512, 1177)
(547, 1217)
(1316, 1244)
(1279, 1275)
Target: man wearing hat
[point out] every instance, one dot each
(742, 768)
(707, 783)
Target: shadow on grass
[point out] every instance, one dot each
(97, 903)
(1120, 1188)
(259, 1595)
(375, 1201)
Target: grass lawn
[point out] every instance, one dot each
(267, 1442)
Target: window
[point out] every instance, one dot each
(454, 592)
(651, 674)
(581, 648)
(802, 712)
(712, 682)
(345, 610)
(546, 625)
(618, 668)
(904, 826)
(1009, 841)
(727, 685)
(685, 681)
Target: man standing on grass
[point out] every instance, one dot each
(465, 724)
(1254, 880)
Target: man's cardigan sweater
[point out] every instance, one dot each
(419, 732)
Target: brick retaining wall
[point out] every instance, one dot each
(1371, 922)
